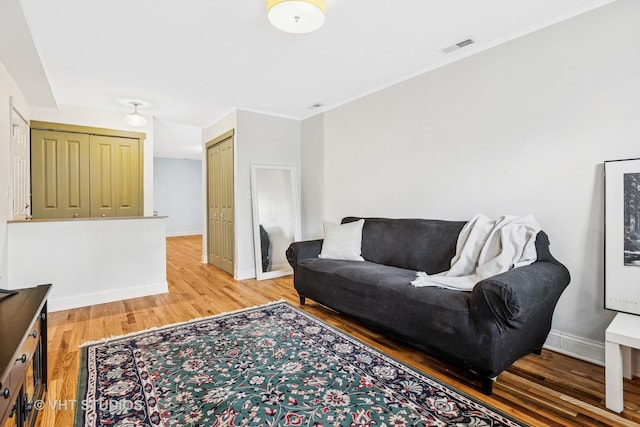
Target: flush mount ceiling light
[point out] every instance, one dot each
(297, 16)
(135, 119)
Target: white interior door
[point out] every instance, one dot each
(20, 166)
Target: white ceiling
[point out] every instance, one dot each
(191, 61)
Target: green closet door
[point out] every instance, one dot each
(60, 174)
(115, 176)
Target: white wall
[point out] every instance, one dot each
(312, 177)
(88, 261)
(8, 90)
(176, 140)
(108, 120)
(259, 138)
(177, 189)
(222, 125)
(521, 128)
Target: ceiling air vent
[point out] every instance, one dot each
(458, 45)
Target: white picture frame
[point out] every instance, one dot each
(622, 235)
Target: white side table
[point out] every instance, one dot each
(621, 336)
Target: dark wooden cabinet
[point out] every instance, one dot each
(23, 355)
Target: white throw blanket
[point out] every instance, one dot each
(485, 248)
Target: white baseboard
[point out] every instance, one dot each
(574, 346)
(183, 233)
(249, 273)
(584, 349)
(65, 303)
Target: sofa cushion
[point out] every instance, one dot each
(414, 244)
(342, 241)
(366, 274)
(381, 284)
(432, 318)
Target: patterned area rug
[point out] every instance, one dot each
(265, 366)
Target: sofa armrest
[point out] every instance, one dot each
(520, 296)
(299, 251)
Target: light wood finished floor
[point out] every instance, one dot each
(546, 390)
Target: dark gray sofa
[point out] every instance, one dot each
(504, 318)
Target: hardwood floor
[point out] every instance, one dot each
(547, 390)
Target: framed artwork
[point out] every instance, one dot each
(622, 235)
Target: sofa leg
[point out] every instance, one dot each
(487, 385)
(302, 299)
(538, 351)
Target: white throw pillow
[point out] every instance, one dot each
(342, 241)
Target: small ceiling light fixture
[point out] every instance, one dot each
(135, 119)
(297, 16)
